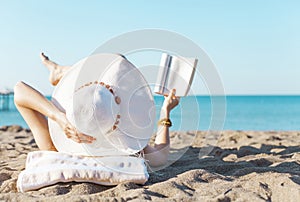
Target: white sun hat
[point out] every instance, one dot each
(104, 96)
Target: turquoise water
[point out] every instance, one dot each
(203, 113)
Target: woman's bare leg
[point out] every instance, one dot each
(26, 99)
(34, 108)
(56, 71)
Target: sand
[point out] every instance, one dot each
(241, 166)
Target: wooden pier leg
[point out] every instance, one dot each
(4, 101)
(1, 101)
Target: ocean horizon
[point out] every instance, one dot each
(242, 112)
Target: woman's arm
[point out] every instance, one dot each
(158, 154)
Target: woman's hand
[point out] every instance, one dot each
(171, 101)
(71, 132)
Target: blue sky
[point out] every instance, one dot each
(255, 44)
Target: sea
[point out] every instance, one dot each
(259, 113)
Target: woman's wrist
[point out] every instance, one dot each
(164, 113)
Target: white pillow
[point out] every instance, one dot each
(44, 168)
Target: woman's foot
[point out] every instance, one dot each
(56, 71)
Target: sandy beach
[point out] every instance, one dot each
(242, 166)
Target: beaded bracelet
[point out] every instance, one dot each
(165, 122)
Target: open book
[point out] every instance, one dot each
(175, 72)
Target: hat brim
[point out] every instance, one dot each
(137, 108)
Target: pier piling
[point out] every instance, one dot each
(5, 99)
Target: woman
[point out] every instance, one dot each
(34, 108)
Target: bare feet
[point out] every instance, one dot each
(56, 71)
